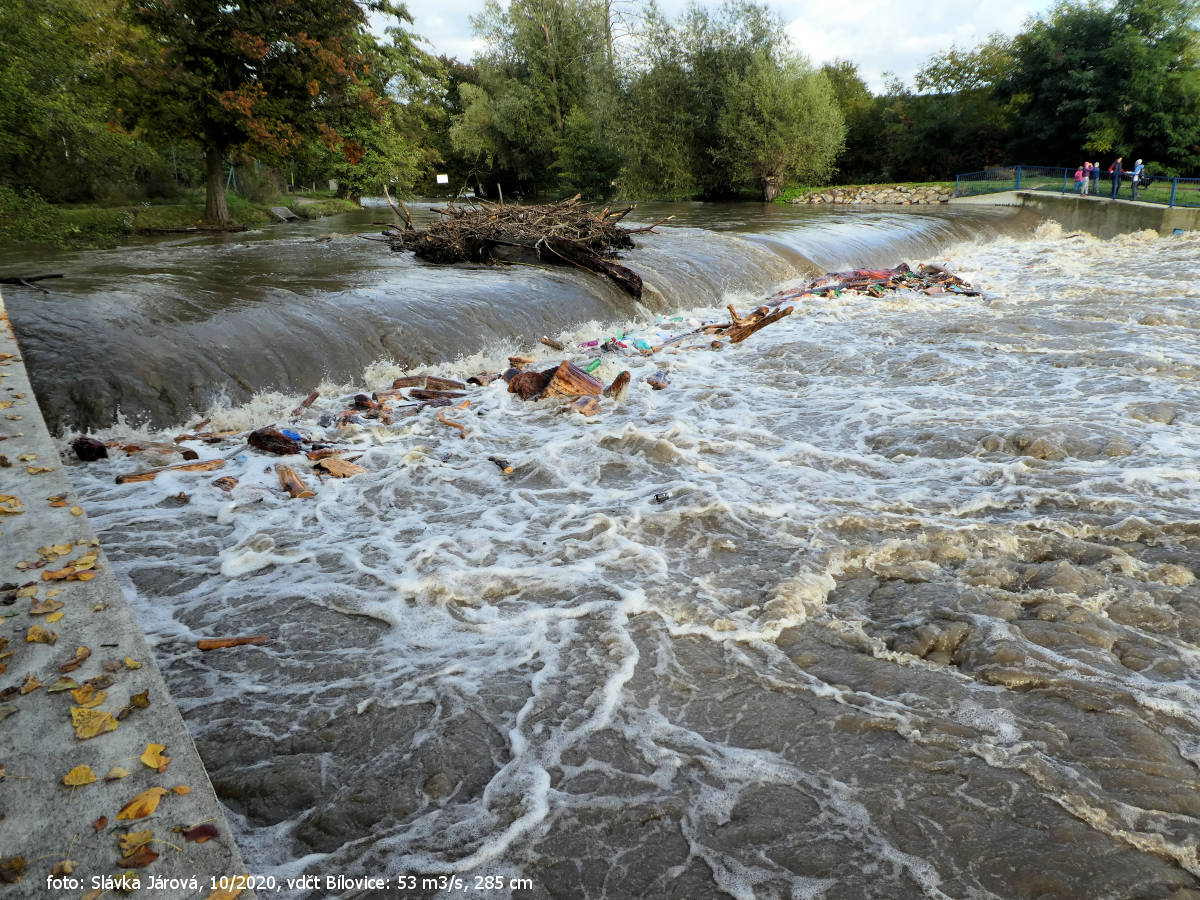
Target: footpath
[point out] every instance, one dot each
(101, 788)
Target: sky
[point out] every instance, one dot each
(879, 36)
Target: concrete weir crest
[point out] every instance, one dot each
(65, 841)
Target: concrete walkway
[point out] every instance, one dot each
(71, 648)
(1099, 215)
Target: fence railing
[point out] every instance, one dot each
(1052, 179)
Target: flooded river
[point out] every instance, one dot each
(896, 599)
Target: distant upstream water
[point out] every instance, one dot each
(896, 599)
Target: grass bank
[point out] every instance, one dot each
(29, 221)
(794, 193)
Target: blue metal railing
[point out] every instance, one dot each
(1152, 189)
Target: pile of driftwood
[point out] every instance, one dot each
(562, 233)
(928, 279)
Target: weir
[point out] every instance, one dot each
(1100, 216)
(68, 625)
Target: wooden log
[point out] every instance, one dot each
(27, 279)
(272, 440)
(739, 333)
(659, 380)
(587, 406)
(226, 483)
(325, 453)
(528, 385)
(421, 394)
(225, 643)
(150, 474)
(520, 362)
(293, 483)
(208, 437)
(619, 387)
(340, 468)
(551, 343)
(569, 380)
(391, 396)
(306, 403)
(554, 249)
(434, 383)
(407, 381)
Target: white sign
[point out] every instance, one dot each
(443, 179)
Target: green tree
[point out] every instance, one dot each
(58, 98)
(780, 120)
(257, 76)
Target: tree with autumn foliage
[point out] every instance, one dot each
(262, 77)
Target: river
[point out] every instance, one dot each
(895, 599)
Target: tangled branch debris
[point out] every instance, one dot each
(561, 233)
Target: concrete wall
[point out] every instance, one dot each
(1096, 215)
(47, 826)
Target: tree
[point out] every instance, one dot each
(780, 120)
(57, 98)
(260, 76)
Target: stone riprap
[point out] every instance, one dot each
(895, 195)
(87, 796)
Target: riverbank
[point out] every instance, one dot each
(98, 764)
(904, 193)
(30, 221)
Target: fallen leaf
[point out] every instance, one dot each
(89, 723)
(201, 833)
(132, 663)
(63, 684)
(93, 894)
(143, 804)
(136, 701)
(153, 757)
(225, 893)
(66, 867)
(111, 665)
(39, 635)
(116, 773)
(142, 857)
(29, 590)
(42, 607)
(39, 470)
(181, 789)
(81, 654)
(10, 505)
(27, 457)
(130, 841)
(7, 710)
(101, 682)
(30, 684)
(78, 776)
(101, 823)
(54, 617)
(12, 869)
(76, 510)
(53, 592)
(88, 697)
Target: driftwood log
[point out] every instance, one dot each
(562, 233)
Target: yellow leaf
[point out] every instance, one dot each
(78, 776)
(41, 607)
(132, 663)
(153, 757)
(39, 635)
(76, 510)
(54, 617)
(28, 591)
(89, 723)
(39, 470)
(86, 576)
(88, 697)
(27, 457)
(116, 773)
(181, 789)
(131, 841)
(225, 893)
(63, 684)
(10, 505)
(53, 592)
(143, 804)
(30, 683)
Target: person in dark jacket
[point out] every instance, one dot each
(1116, 169)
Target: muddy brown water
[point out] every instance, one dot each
(917, 617)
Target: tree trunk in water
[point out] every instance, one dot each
(216, 211)
(771, 187)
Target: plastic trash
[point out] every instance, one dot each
(593, 365)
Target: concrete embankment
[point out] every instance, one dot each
(87, 796)
(1100, 216)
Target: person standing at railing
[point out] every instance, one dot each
(1087, 178)
(1079, 181)
(1096, 178)
(1116, 169)
(1137, 177)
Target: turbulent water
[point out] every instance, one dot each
(895, 599)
